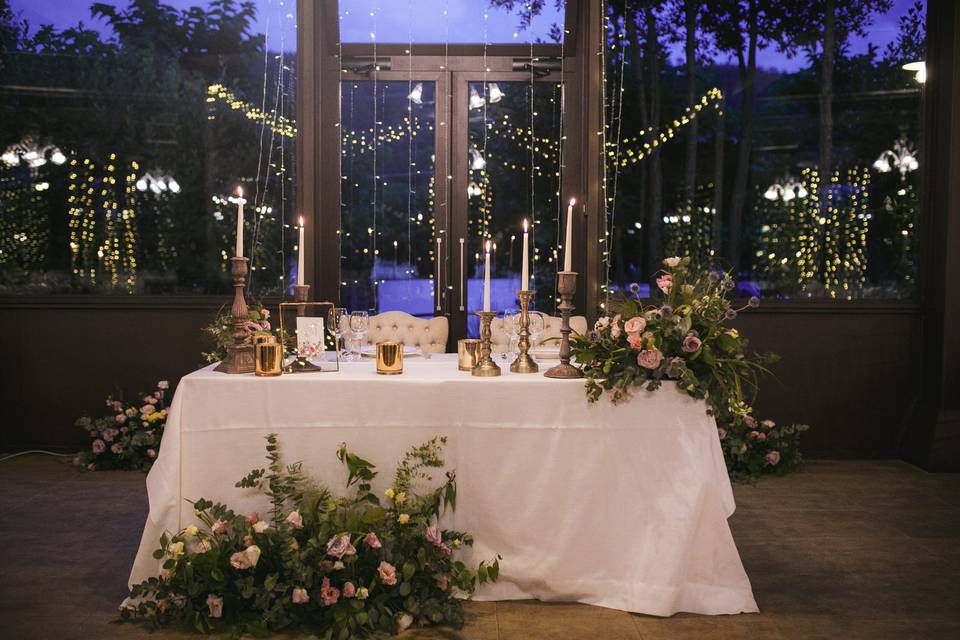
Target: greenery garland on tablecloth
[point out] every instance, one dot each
(129, 436)
(684, 340)
(337, 567)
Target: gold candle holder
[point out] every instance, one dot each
(389, 358)
(268, 357)
(486, 367)
(566, 287)
(240, 357)
(524, 363)
(468, 354)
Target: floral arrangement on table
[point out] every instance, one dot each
(221, 329)
(336, 567)
(684, 338)
(129, 436)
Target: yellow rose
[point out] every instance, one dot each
(191, 530)
(401, 497)
(175, 549)
(404, 518)
(389, 493)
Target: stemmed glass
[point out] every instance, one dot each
(511, 319)
(338, 323)
(359, 325)
(537, 324)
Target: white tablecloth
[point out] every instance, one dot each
(618, 506)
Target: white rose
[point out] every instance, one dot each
(260, 526)
(191, 530)
(163, 384)
(253, 554)
(363, 593)
(768, 424)
(403, 622)
(671, 262)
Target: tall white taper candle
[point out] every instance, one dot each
(525, 264)
(239, 250)
(300, 255)
(568, 241)
(486, 278)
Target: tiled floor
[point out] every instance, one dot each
(841, 550)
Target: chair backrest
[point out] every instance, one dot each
(551, 329)
(428, 334)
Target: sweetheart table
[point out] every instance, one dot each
(618, 506)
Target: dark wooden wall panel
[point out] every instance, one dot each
(852, 375)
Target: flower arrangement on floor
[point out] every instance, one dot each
(685, 339)
(337, 567)
(221, 329)
(129, 436)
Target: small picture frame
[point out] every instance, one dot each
(308, 344)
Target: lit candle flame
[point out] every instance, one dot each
(239, 192)
(301, 221)
(488, 246)
(525, 225)
(573, 201)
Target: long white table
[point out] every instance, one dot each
(618, 506)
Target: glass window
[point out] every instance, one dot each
(802, 178)
(450, 21)
(128, 128)
(388, 251)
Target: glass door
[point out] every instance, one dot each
(389, 228)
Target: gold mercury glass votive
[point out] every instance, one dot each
(389, 358)
(268, 357)
(468, 354)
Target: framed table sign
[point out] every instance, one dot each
(308, 337)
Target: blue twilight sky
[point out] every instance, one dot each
(421, 21)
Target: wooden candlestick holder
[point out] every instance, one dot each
(524, 363)
(566, 287)
(301, 293)
(240, 356)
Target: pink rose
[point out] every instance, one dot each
(219, 527)
(349, 590)
(691, 343)
(761, 436)
(215, 606)
(203, 546)
(147, 409)
(753, 435)
(721, 432)
(615, 327)
(773, 458)
(328, 594)
(150, 399)
(635, 325)
(665, 283)
(98, 446)
(434, 536)
(635, 341)
(388, 573)
(339, 546)
(121, 418)
(117, 405)
(240, 561)
(151, 453)
(650, 358)
(93, 434)
(750, 422)
(295, 520)
(300, 596)
(158, 394)
(253, 518)
(372, 541)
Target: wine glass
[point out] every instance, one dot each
(511, 319)
(537, 324)
(359, 325)
(338, 323)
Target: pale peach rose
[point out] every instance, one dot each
(253, 518)
(650, 358)
(388, 573)
(635, 324)
(349, 590)
(219, 527)
(339, 546)
(773, 458)
(404, 621)
(295, 520)
(300, 596)
(372, 541)
(215, 606)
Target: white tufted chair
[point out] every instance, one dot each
(427, 334)
(551, 329)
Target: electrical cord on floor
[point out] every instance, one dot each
(46, 453)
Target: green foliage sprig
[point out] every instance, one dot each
(221, 329)
(338, 567)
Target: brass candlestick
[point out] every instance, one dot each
(486, 367)
(524, 363)
(240, 358)
(566, 287)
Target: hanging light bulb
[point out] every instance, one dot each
(919, 68)
(173, 185)
(416, 96)
(802, 192)
(57, 157)
(773, 192)
(142, 184)
(479, 163)
(496, 95)
(475, 100)
(10, 158)
(473, 189)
